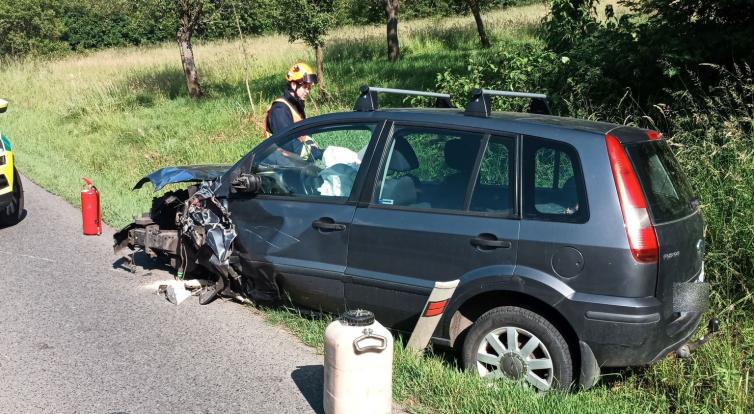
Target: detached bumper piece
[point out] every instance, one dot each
(147, 234)
(192, 228)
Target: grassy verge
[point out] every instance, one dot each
(710, 381)
(116, 115)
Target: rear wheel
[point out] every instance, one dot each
(516, 343)
(12, 213)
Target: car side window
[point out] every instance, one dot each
(428, 168)
(553, 182)
(318, 162)
(494, 191)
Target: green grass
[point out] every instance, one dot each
(119, 114)
(711, 381)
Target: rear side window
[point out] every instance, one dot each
(494, 191)
(429, 168)
(665, 187)
(553, 184)
(445, 169)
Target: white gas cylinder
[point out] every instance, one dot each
(358, 365)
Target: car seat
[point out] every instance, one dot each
(460, 155)
(401, 190)
(569, 197)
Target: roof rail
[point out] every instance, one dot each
(479, 104)
(368, 101)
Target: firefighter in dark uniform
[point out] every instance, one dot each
(289, 109)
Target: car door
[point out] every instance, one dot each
(296, 228)
(557, 237)
(443, 205)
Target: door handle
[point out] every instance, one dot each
(490, 241)
(328, 224)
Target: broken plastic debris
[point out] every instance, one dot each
(196, 283)
(176, 294)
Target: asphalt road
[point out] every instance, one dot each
(80, 334)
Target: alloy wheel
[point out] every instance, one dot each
(511, 352)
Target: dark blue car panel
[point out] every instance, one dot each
(184, 174)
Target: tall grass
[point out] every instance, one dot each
(118, 114)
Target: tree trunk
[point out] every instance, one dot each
(391, 12)
(475, 10)
(189, 15)
(320, 57)
(189, 67)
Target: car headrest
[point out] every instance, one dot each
(570, 195)
(403, 158)
(460, 153)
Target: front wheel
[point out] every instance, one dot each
(516, 343)
(13, 212)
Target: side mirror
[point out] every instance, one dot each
(246, 184)
(3, 105)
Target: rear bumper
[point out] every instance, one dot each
(619, 344)
(626, 332)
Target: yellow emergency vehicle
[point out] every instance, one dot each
(11, 190)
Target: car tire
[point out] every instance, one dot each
(13, 213)
(540, 357)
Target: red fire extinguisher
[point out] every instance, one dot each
(91, 212)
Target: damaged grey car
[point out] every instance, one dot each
(266, 222)
(576, 244)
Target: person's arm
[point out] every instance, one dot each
(280, 118)
(317, 153)
(293, 146)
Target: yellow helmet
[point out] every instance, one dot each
(301, 73)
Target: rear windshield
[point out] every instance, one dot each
(664, 184)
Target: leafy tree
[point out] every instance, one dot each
(254, 17)
(31, 27)
(98, 23)
(358, 12)
(696, 30)
(659, 45)
(568, 23)
(154, 20)
(309, 20)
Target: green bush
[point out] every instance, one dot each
(648, 50)
(515, 66)
(31, 27)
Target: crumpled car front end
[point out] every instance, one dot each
(192, 228)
